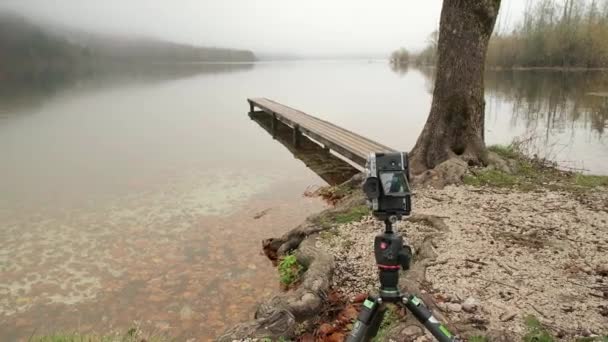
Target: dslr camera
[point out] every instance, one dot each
(386, 185)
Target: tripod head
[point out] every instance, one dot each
(392, 255)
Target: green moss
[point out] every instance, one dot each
(589, 181)
(132, 335)
(289, 270)
(492, 178)
(329, 234)
(530, 174)
(507, 152)
(535, 332)
(352, 215)
(593, 339)
(346, 244)
(390, 318)
(478, 338)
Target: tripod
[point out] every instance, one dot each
(392, 256)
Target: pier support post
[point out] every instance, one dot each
(251, 107)
(274, 126)
(297, 134)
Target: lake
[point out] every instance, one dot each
(141, 198)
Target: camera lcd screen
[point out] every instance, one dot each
(394, 183)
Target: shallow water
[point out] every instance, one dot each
(132, 200)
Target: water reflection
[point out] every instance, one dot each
(136, 197)
(552, 99)
(563, 115)
(28, 91)
(327, 166)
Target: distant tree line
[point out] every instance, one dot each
(553, 33)
(428, 56)
(28, 51)
(400, 57)
(569, 33)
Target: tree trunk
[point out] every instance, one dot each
(455, 126)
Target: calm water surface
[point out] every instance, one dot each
(137, 200)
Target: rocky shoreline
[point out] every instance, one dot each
(505, 256)
(514, 256)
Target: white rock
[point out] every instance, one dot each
(470, 305)
(453, 307)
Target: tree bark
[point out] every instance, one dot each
(455, 126)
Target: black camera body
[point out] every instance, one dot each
(387, 184)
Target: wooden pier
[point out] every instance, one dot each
(349, 145)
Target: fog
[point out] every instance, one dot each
(306, 28)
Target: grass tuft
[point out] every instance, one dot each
(289, 270)
(536, 332)
(529, 174)
(478, 338)
(491, 177)
(593, 339)
(132, 335)
(354, 214)
(505, 151)
(390, 318)
(589, 181)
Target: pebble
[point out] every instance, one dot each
(470, 305)
(453, 307)
(602, 270)
(186, 313)
(412, 332)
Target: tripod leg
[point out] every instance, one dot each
(424, 316)
(368, 321)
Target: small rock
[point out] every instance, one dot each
(602, 270)
(507, 316)
(453, 307)
(470, 305)
(477, 320)
(412, 332)
(185, 313)
(442, 306)
(587, 270)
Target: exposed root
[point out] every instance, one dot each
(274, 248)
(449, 172)
(278, 316)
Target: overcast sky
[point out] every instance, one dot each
(311, 27)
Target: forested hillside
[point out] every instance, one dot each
(28, 51)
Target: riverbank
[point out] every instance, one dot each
(516, 253)
(506, 255)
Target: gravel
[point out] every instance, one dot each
(542, 253)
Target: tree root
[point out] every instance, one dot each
(274, 248)
(278, 316)
(449, 172)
